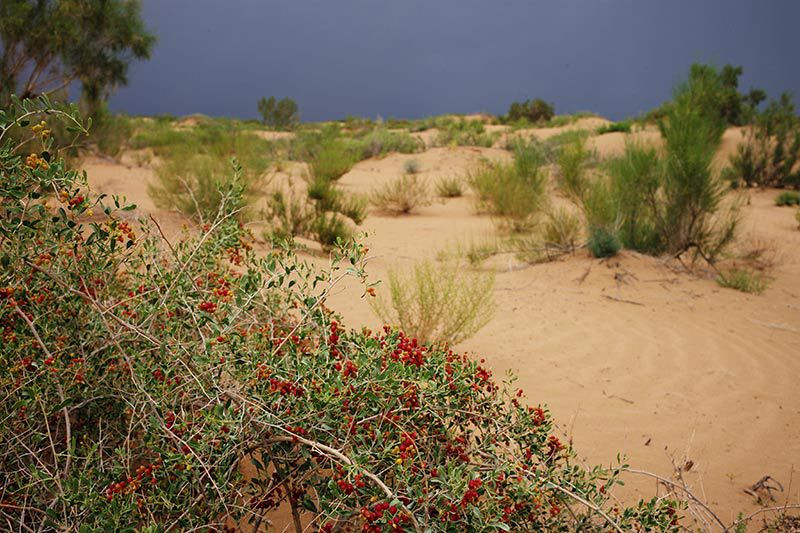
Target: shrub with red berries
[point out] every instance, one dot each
(199, 385)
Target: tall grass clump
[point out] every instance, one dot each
(401, 195)
(452, 187)
(572, 164)
(438, 301)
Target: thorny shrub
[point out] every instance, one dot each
(190, 385)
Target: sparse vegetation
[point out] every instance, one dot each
(744, 280)
(451, 187)
(401, 196)
(442, 301)
(195, 165)
(464, 133)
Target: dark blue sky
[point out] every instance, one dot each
(412, 58)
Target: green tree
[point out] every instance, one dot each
(279, 114)
(49, 44)
(531, 110)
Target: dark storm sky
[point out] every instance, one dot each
(412, 58)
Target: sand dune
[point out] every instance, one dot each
(632, 355)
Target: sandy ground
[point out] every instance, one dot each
(631, 355)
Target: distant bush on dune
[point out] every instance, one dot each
(279, 114)
(534, 111)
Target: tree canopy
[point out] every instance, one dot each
(48, 44)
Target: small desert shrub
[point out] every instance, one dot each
(451, 187)
(513, 194)
(562, 229)
(279, 114)
(788, 198)
(744, 280)
(401, 195)
(623, 126)
(602, 242)
(438, 301)
(411, 166)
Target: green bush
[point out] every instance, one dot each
(442, 302)
(279, 114)
(534, 111)
(514, 198)
(634, 191)
(332, 160)
(788, 198)
(401, 195)
(623, 126)
(602, 242)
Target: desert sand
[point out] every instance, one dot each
(632, 354)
